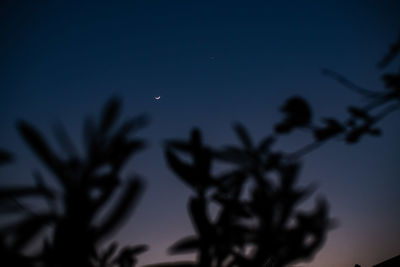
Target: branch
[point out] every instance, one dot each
(349, 84)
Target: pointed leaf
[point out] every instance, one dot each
(30, 228)
(5, 157)
(394, 50)
(332, 128)
(110, 113)
(124, 205)
(64, 140)
(39, 146)
(89, 134)
(132, 125)
(179, 145)
(109, 252)
(185, 245)
(265, 144)
(23, 191)
(134, 250)
(375, 132)
(183, 170)
(243, 135)
(195, 138)
(358, 112)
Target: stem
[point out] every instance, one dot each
(305, 149)
(349, 84)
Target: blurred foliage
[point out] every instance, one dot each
(88, 208)
(257, 220)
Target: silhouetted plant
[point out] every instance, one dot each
(257, 222)
(88, 183)
(361, 120)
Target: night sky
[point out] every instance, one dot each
(212, 64)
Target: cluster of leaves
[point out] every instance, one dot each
(257, 220)
(80, 216)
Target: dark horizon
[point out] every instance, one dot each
(213, 64)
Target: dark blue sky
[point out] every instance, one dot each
(213, 64)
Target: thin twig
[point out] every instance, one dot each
(386, 111)
(374, 104)
(305, 150)
(349, 84)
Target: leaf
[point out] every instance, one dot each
(332, 128)
(231, 183)
(358, 112)
(265, 144)
(297, 110)
(132, 125)
(185, 245)
(64, 140)
(110, 113)
(124, 205)
(29, 228)
(183, 170)
(108, 253)
(180, 145)
(47, 192)
(392, 81)
(23, 191)
(394, 50)
(5, 157)
(127, 256)
(39, 146)
(134, 250)
(375, 132)
(353, 136)
(195, 139)
(283, 127)
(243, 135)
(8, 207)
(89, 135)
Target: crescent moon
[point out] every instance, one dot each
(157, 97)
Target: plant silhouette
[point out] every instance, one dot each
(88, 185)
(247, 214)
(258, 223)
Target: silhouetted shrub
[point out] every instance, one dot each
(257, 223)
(88, 183)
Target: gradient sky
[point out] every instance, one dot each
(213, 64)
